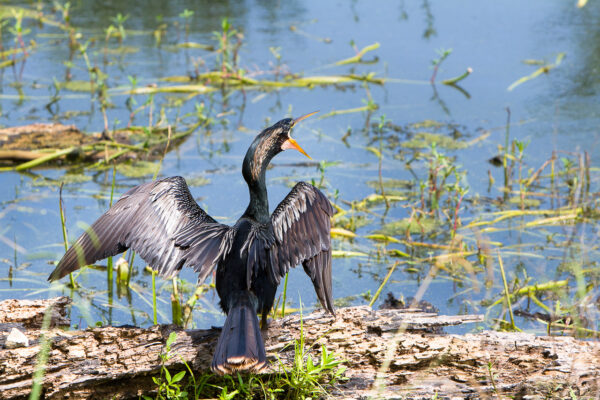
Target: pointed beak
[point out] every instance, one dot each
(292, 144)
(294, 122)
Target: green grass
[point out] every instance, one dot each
(308, 376)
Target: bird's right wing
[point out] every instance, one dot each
(160, 221)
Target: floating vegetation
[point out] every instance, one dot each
(66, 179)
(542, 70)
(359, 55)
(423, 140)
(137, 169)
(401, 227)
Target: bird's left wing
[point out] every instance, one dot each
(302, 225)
(160, 221)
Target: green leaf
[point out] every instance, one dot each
(171, 339)
(374, 151)
(309, 363)
(179, 376)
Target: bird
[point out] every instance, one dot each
(161, 222)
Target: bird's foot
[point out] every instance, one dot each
(264, 325)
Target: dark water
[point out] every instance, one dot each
(557, 111)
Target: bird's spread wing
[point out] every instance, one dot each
(160, 221)
(301, 224)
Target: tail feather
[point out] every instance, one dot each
(240, 346)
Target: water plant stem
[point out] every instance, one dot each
(359, 55)
(175, 305)
(507, 296)
(44, 159)
(154, 317)
(284, 295)
(64, 230)
(109, 262)
(42, 357)
(455, 80)
(387, 277)
(505, 159)
(131, 259)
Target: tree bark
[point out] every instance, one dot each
(118, 362)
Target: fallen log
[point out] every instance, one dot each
(118, 362)
(55, 142)
(30, 313)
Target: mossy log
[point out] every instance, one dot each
(66, 143)
(118, 362)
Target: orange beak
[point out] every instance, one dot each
(291, 143)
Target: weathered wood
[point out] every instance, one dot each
(118, 362)
(30, 313)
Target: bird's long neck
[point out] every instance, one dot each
(254, 170)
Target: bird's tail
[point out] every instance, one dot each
(240, 346)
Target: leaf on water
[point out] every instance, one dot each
(341, 232)
(122, 50)
(137, 169)
(398, 253)
(350, 223)
(542, 70)
(374, 151)
(176, 78)
(76, 86)
(66, 179)
(172, 89)
(425, 226)
(383, 238)
(197, 181)
(426, 124)
(527, 202)
(374, 199)
(344, 253)
(533, 62)
(423, 140)
(194, 45)
(392, 184)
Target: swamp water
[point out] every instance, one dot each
(429, 180)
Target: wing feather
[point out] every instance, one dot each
(162, 222)
(302, 225)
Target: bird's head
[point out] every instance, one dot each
(270, 142)
(282, 132)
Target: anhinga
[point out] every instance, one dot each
(161, 221)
